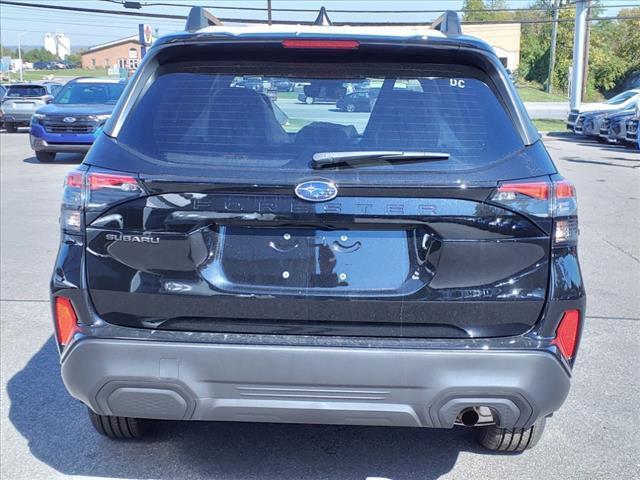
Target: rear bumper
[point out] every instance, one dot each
(311, 384)
(22, 118)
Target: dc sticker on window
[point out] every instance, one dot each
(456, 82)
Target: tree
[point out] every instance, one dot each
(481, 11)
(474, 11)
(75, 58)
(6, 52)
(628, 40)
(535, 41)
(612, 51)
(39, 55)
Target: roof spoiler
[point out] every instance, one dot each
(200, 18)
(448, 23)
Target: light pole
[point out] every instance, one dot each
(20, 54)
(577, 76)
(554, 39)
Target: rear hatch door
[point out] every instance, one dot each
(236, 231)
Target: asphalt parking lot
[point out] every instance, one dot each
(45, 434)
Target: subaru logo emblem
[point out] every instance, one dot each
(316, 191)
(69, 119)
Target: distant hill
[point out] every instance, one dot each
(26, 48)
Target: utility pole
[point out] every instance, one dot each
(20, 54)
(269, 19)
(554, 39)
(585, 65)
(577, 71)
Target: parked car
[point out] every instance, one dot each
(618, 102)
(252, 83)
(589, 124)
(631, 128)
(412, 269)
(361, 101)
(3, 92)
(613, 127)
(44, 65)
(22, 100)
(282, 84)
(323, 91)
(71, 121)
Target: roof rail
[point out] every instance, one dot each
(200, 18)
(448, 23)
(323, 19)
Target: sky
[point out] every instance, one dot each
(86, 29)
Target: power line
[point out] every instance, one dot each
(298, 22)
(93, 10)
(85, 17)
(48, 31)
(560, 20)
(84, 24)
(330, 10)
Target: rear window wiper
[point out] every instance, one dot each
(324, 159)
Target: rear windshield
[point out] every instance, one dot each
(90, 93)
(241, 117)
(26, 91)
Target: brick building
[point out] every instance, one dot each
(125, 53)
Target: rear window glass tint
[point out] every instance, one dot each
(26, 91)
(222, 120)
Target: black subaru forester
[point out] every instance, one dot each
(228, 255)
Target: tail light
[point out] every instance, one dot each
(544, 199)
(66, 320)
(567, 334)
(93, 191)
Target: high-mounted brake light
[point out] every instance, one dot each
(66, 321)
(321, 44)
(567, 334)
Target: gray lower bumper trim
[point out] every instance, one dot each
(22, 117)
(40, 145)
(358, 386)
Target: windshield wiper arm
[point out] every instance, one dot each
(323, 159)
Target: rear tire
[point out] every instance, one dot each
(11, 128)
(510, 439)
(351, 108)
(308, 100)
(46, 157)
(119, 428)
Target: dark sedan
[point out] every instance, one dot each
(359, 101)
